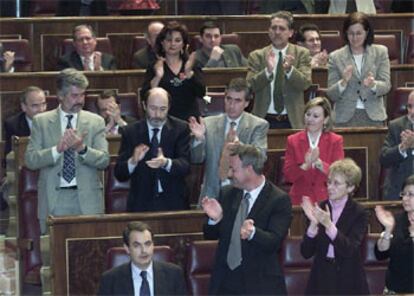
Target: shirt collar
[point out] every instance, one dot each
(283, 50)
(237, 120)
(338, 204)
(63, 115)
(136, 271)
(254, 194)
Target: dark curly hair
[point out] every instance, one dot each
(167, 31)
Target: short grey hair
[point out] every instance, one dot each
(28, 90)
(70, 77)
(250, 155)
(286, 15)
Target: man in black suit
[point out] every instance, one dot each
(250, 220)
(147, 56)
(32, 102)
(155, 157)
(143, 275)
(85, 57)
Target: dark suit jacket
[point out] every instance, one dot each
(15, 126)
(399, 167)
(73, 60)
(232, 57)
(72, 7)
(312, 182)
(144, 57)
(175, 144)
(352, 228)
(168, 280)
(272, 214)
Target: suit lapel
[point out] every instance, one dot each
(77, 60)
(160, 281)
(260, 201)
(368, 61)
(23, 125)
(219, 130)
(243, 129)
(344, 220)
(55, 129)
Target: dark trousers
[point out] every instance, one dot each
(232, 283)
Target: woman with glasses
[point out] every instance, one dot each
(396, 242)
(359, 76)
(334, 235)
(310, 152)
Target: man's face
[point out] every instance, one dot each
(153, 31)
(35, 103)
(279, 32)
(211, 38)
(410, 107)
(156, 108)
(237, 173)
(103, 106)
(84, 42)
(235, 103)
(141, 248)
(74, 100)
(312, 42)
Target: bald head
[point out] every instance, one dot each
(156, 106)
(154, 28)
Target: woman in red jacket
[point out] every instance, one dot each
(310, 152)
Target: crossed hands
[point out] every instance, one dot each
(315, 214)
(141, 150)
(71, 140)
(312, 159)
(216, 53)
(271, 61)
(407, 139)
(97, 61)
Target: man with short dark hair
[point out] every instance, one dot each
(279, 74)
(69, 147)
(214, 135)
(147, 56)
(32, 102)
(213, 54)
(85, 57)
(250, 219)
(309, 37)
(155, 157)
(142, 275)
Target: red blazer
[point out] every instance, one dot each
(312, 182)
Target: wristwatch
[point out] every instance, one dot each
(386, 236)
(83, 151)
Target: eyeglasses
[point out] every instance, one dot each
(335, 183)
(408, 194)
(355, 34)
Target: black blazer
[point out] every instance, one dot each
(175, 144)
(15, 126)
(272, 214)
(73, 60)
(168, 280)
(352, 228)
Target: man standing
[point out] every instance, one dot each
(143, 275)
(279, 74)
(397, 153)
(32, 102)
(110, 110)
(155, 157)
(69, 148)
(213, 54)
(309, 36)
(85, 57)
(214, 134)
(250, 220)
(147, 56)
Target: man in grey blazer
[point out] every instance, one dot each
(214, 135)
(69, 148)
(279, 74)
(213, 54)
(397, 153)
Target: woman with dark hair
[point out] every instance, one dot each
(175, 72)
(334, 235)
(396, 242)
(310, 152)
(359, 76)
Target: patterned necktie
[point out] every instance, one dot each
(277, 86)
(86, 64)
(69, 158)
(145, 289)
(234, 254)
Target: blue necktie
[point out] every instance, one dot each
(145, 289)
(69, 158)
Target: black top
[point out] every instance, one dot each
(184, 93)
(400, 273)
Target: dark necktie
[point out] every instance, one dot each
(145, 289)
(154, 142)
(277, 86)
(69, 158)
(234, 254)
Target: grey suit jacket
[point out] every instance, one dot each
(400, 167)
(293, 87)
(46, 133)
(232, 57)
(251, 130)
(376, 61)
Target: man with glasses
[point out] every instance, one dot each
(397, 154)
(309, 37)
(85, 57)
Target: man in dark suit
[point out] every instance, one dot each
(155, 157)
(85, 57)
(213, 54)
(250, 220)
(397, 152)
(143, 275)
(32, 102)
(110, 109)
(146, 56)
